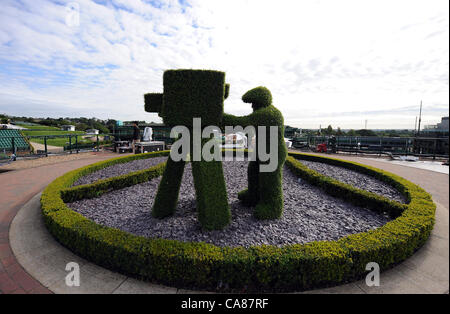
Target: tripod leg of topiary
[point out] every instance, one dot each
(167, 196)
(212, 206)
(190, 97)
(211, 193)
(270, 205)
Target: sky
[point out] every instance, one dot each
(325, 62)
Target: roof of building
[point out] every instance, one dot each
(12, 127)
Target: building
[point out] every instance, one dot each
(437, 130)
(433, 139)
(11, 127)
(443, 125)
(92, 131)
(68, 128)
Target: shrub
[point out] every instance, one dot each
(264, 188)
(227, 91)
(259, 268)
(106, 185)
(259, 97)
(347, 192)
(212, 204)
(168, 189)
(153, 102)
(193, 93)
(190, 94)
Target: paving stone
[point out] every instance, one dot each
(133, 286)
(17, 187)
(425, 272)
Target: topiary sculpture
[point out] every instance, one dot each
(190, 94)
(264, 188)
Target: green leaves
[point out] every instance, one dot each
(260, 97)
(193, 93)
(257, 269)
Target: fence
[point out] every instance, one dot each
(26, 145)
(418, 146)
(13, 141)
(160, 133)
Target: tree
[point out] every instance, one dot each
(365, 132)
(81, 126)
(100, 127)
(111, 124)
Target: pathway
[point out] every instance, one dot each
(50, 148)
(427, 271)
(16, 189)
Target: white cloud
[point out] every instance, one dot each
(317, 57)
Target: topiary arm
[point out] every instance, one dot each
(231, 120)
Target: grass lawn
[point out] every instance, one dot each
(59, 141)
(49, 131)
(53, 131)
(39, 127)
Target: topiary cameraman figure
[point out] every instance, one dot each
(264, 188)
(190, 94)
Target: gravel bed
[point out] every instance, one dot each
(120, 169)
(309, 214)
(358, 180)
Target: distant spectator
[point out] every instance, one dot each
(136, 135)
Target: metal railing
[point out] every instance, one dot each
(73, 144)
(417, 146)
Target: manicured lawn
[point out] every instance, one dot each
(53, 131)
(39, 127)
(50, 131)
(59, 141)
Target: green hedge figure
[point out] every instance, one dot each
(264, 188)
(191, 94)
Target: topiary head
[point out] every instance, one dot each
(189, 94)
(259, 97)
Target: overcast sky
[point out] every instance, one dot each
(326, 62)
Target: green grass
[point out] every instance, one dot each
(59, 141)
(50, 132)
(39, 127)
(259, 269)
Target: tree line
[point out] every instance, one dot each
(81, 124)
(329, 131)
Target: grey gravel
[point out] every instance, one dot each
(358, 180)
(120, 169)
(309, 213)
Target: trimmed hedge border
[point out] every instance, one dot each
(355, 196)
(261, 268)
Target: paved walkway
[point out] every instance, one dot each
(427, 271)
(50, 148)
(16, 189)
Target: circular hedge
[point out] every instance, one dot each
(260, 268)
